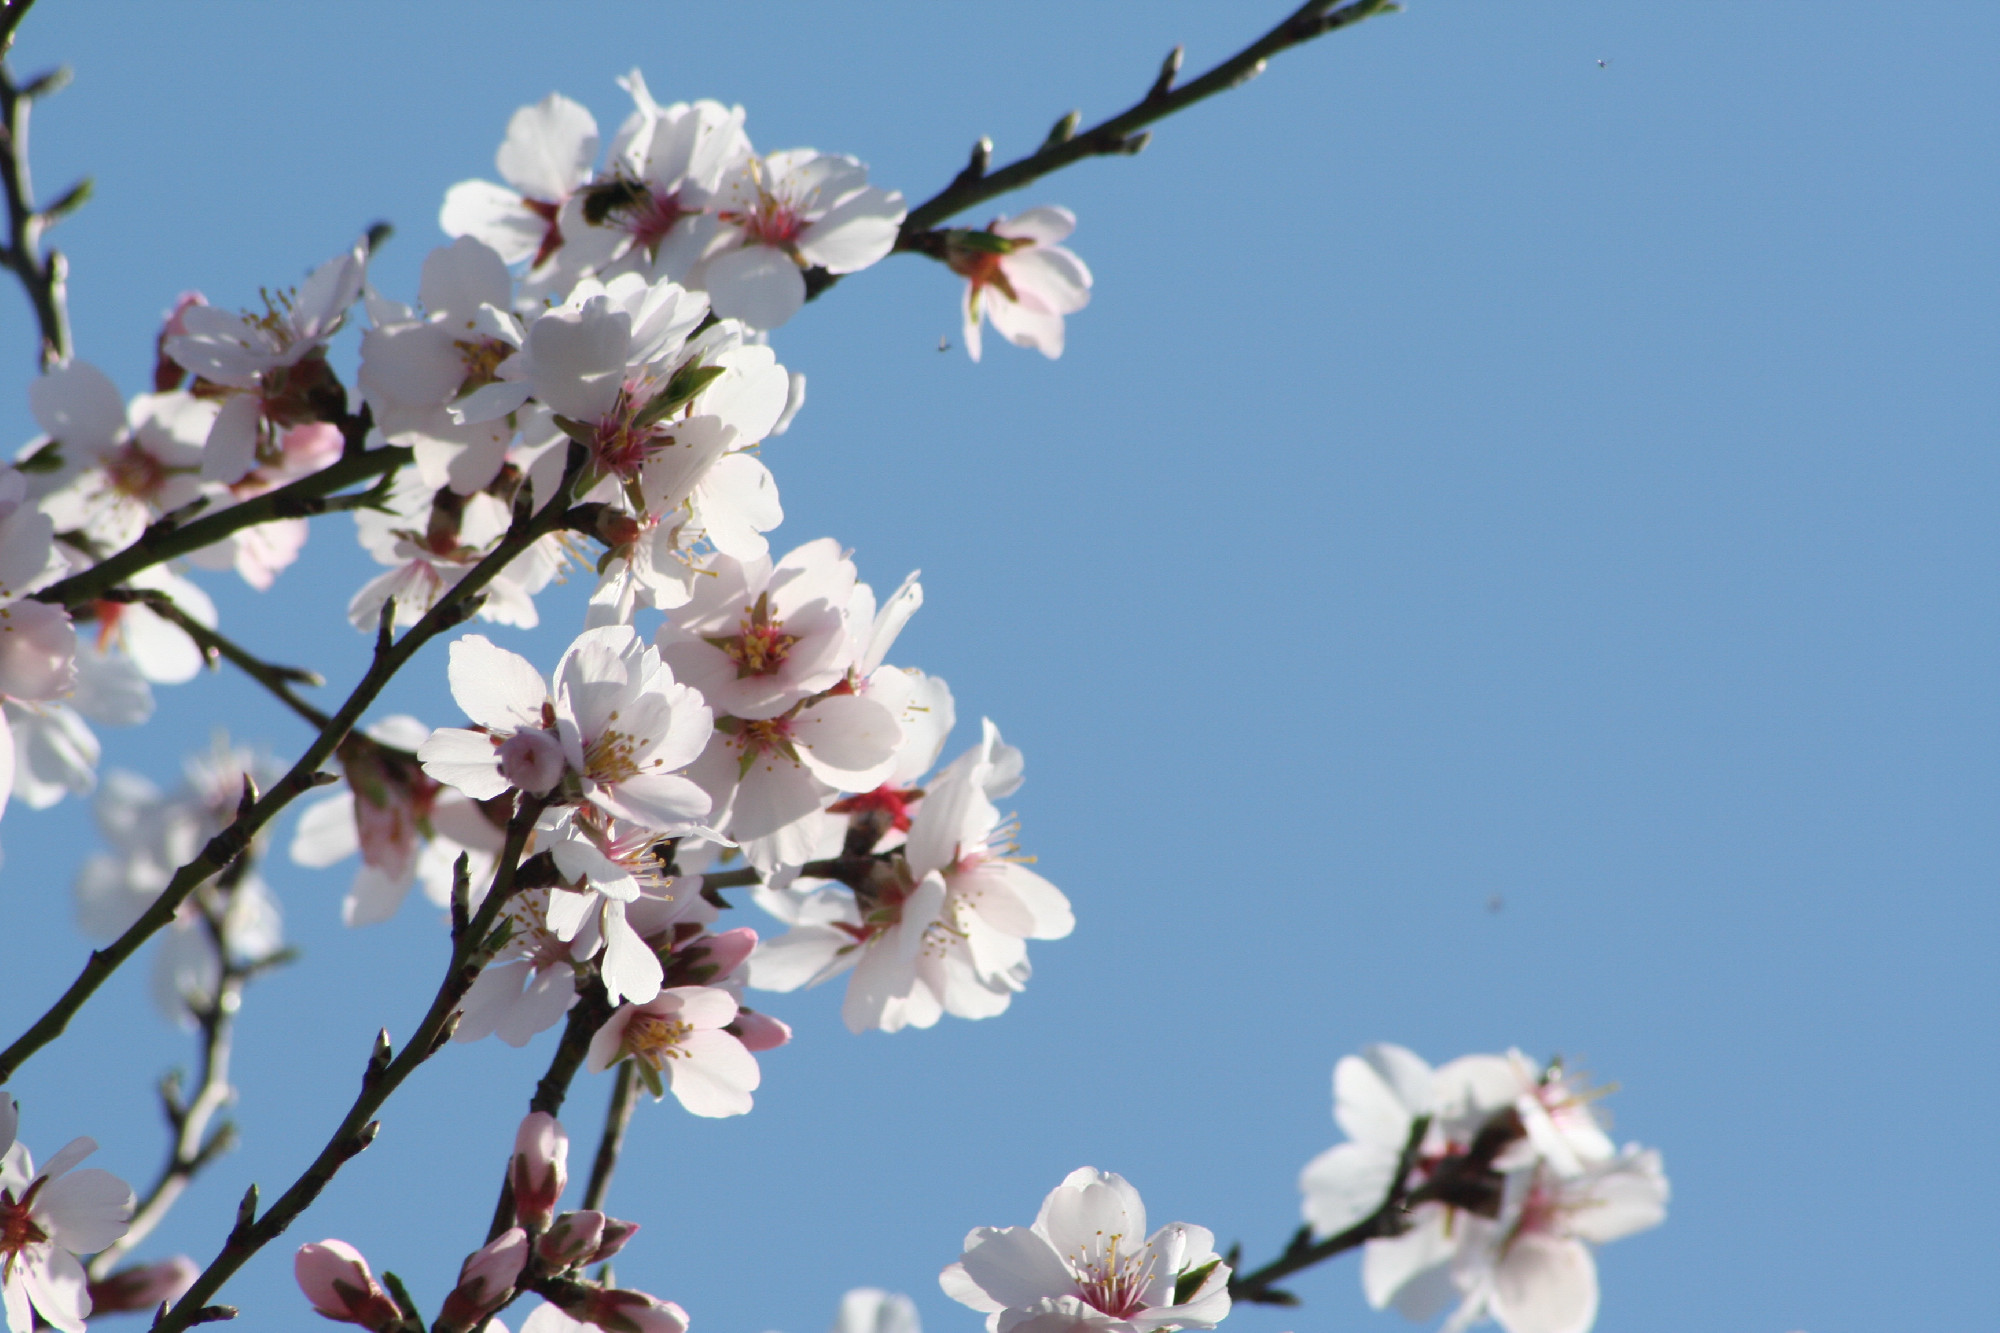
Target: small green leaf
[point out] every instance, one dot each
(1190, 1280)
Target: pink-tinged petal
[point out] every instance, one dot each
(68, 1156)
(1544, 1284)
(756, 284)
(1055, 278)
(958, 1284)
(576, 359)
(77, 404)
(464, 759)
(858, 231)
(704, 1006)
(55, 1282)
(1090, 1203)
(760, 1032)
(10, 1122)
(1377, 1093)
(1014, 321)
(550, 148)
(607, 1047)
(495, 687)
(37, 651)
(84, 1211)
(715, 1075)
(495, 215)
(663, 802)
(231, 450)
(970, 316)
(1411, 1271)
(845, 738)
(1017, 1267)
(737, 503)
(1346, 1183)
(460, 278)
(1628, 1197)
(631, 970)
(1015, 901)
(750, 397)
(771, 795)
(27, 537)
(802, 956)
(1049, 224)
(374, 897)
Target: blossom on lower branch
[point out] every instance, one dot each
(1513, 1177)
(676, 1041)
(1088, 1263)
(47, 1219)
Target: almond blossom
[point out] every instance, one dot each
(548, 153)
(1019, 276)
(1531, 1269)
(785, 213)
(268, 371)
(47, 1219)
(1088, 1263)
(433, 378)
(677, 1040)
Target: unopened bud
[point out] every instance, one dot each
(335, 1278)
(485, 1281)
(619, 1311)
(540, 1169)
(571, 1239)
(759, 1032)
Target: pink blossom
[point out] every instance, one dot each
(485, 1281)
(143, 1286)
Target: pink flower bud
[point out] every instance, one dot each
(726, 952)
(618, 1311)
(485, 1281)
(616, 1233)
(571, 1239)
(759, 1032)
(310, 447)
(143, 1286)
(532, 760)
(540, 1170)
(335, 1278)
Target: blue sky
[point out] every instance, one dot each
(1524, 456)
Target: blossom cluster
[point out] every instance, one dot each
(1509, 1177)
(584, 385)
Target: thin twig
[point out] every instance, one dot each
(1303, 1252)
(1121, 134)
(277, 679)
(450, 610)
(42, 273)
(167, 537)
(193, 1147)
(470, 952)
(617, 1117)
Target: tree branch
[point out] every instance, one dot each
(390, 657)
(170, 536)
(277, 679)
(1303, 1252)
(587, 1015)
(471, 950)
(617, 1117)
(1121, 134)
(42, 274)
(193, 1147)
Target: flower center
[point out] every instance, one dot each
(622, 446)
(651, 218)
(608, 759)
(17, 1226)
(760, 645)
(655, 1039)
(1112, 1282)
(482, 358)
(133, 471)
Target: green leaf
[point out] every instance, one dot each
(1190, 1280)
(682, 389)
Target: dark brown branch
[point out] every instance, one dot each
(390, 657)
(471, 951)
(1303, 1252)
(617, 1117)
(1121, 135)
(169, 537)
(277, 679)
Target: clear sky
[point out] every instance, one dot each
(1508, 558)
